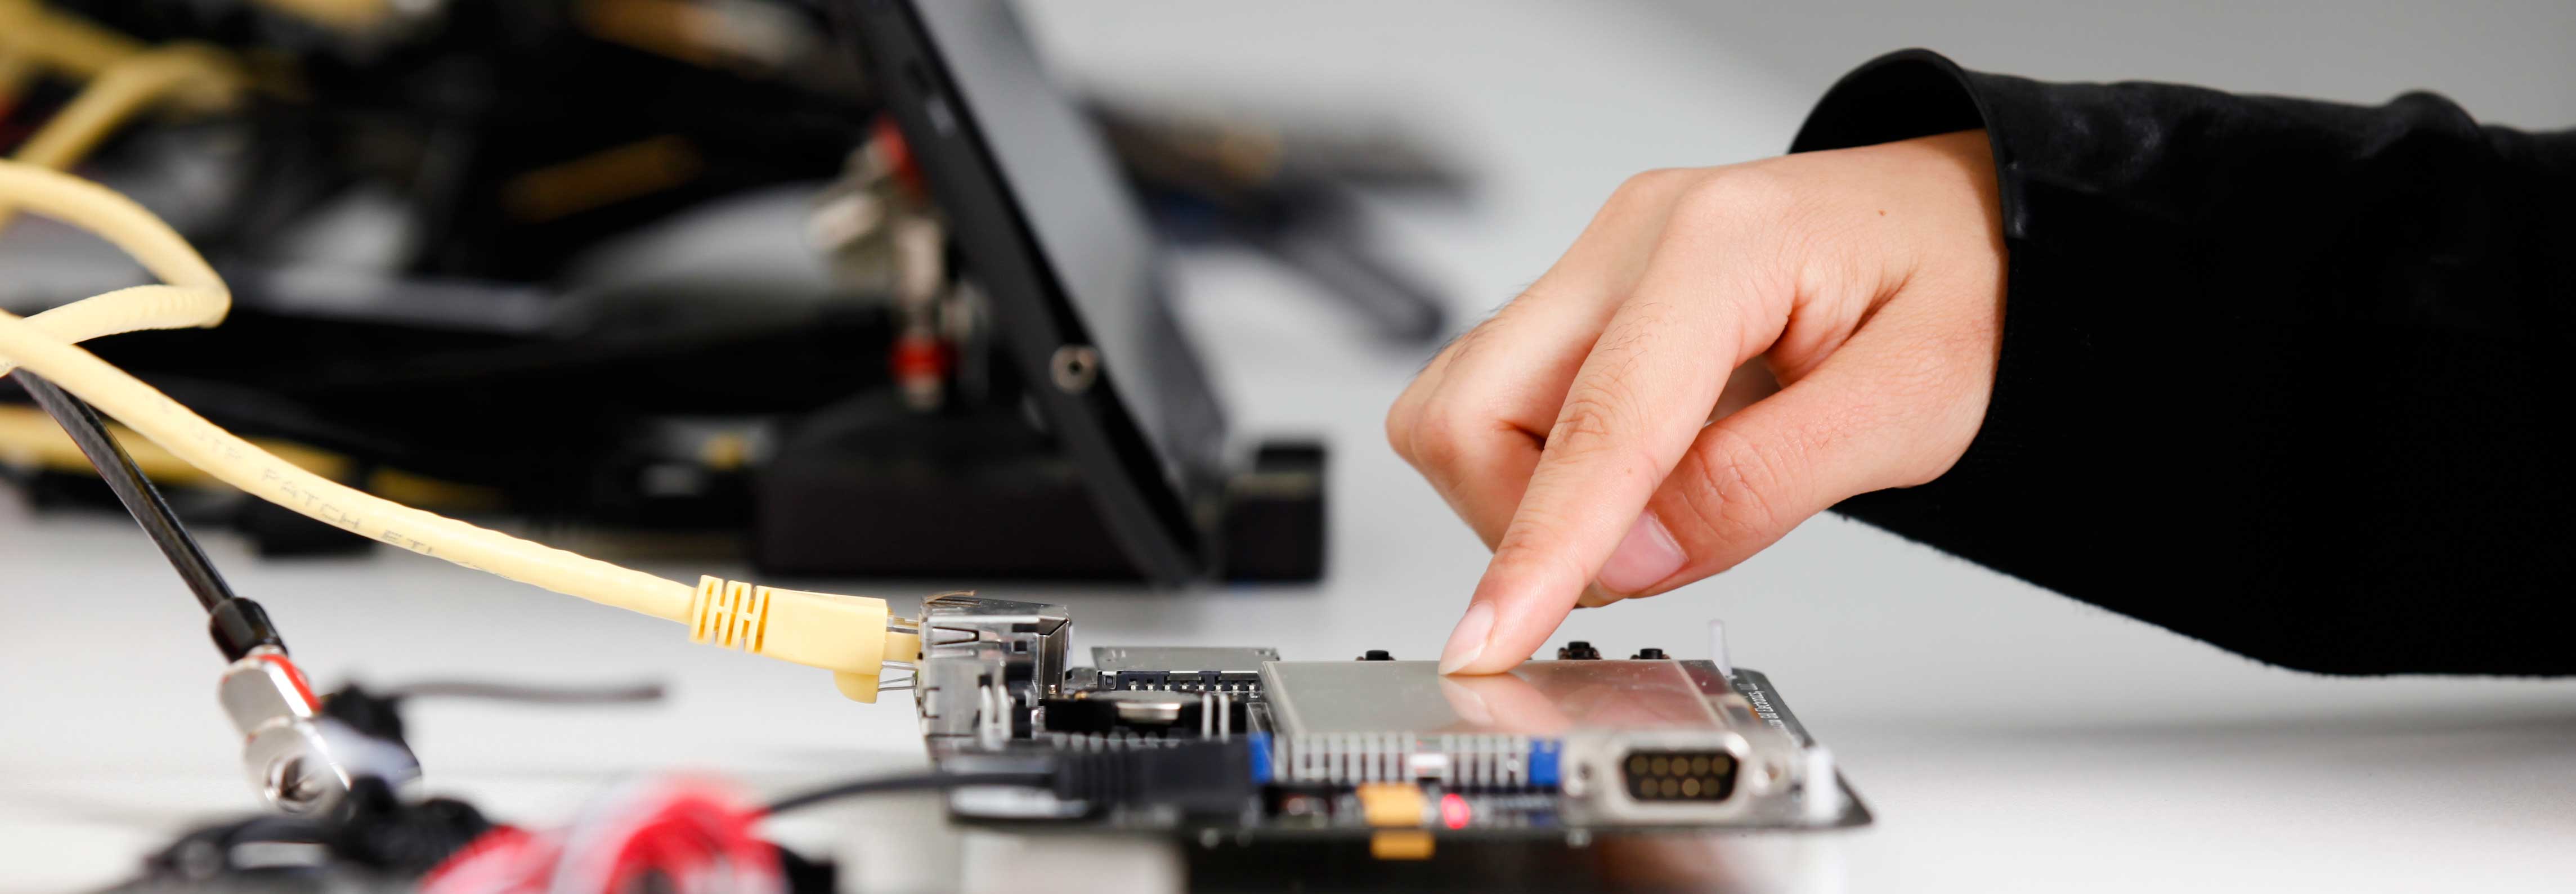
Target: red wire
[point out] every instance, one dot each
(691, 835)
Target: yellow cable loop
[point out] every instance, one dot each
(852, 636)
(192, 284)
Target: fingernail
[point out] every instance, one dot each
(1647, 556)
(1468, 641)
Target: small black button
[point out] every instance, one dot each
(1650, 655)
(1378, 655)
(1578, 650)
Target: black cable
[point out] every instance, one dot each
(131, 487)
(913, 783)
(1198, 777)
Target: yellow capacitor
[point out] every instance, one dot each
(1393, 804)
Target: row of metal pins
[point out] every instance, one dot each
(1483, 761)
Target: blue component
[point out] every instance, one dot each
(1260, 745)
(1542, 762)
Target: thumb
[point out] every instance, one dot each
(1863, 421)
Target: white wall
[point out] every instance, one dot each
(1556, 101)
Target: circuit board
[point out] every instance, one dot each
(1238, 746)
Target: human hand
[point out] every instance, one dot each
(1578, 430)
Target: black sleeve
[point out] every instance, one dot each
(2288, 376)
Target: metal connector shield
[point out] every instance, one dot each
(297, 759)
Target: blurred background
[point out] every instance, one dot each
(625, 275)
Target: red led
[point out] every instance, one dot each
(1454, 812)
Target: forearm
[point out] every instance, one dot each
(2275, 373)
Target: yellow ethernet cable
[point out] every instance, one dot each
(190, 74)
(198, 76)
(61, 42)
(16, 70)
(190, 294)
(853, 636)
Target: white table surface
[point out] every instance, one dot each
(2008, 738)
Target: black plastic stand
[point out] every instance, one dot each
(871, 490)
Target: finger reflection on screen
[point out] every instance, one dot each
(1503, 703)
(1547, 699)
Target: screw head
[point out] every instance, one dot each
(1074, 368)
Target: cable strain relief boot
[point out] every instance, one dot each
(848, 635)
(239, 626)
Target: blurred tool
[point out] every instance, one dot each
(403, 232)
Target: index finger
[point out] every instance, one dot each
(1708, 302)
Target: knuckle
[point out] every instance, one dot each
(1737, 196)
(1733, 494)
(1534, 545)
(1590, 421)
(1601, 430)
(1441, 438)
(1605, 411)
(1399, 428)
(1645, 186)
(1627, 344)
(1547, 288)
(1404, 418)
(1466, 343)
